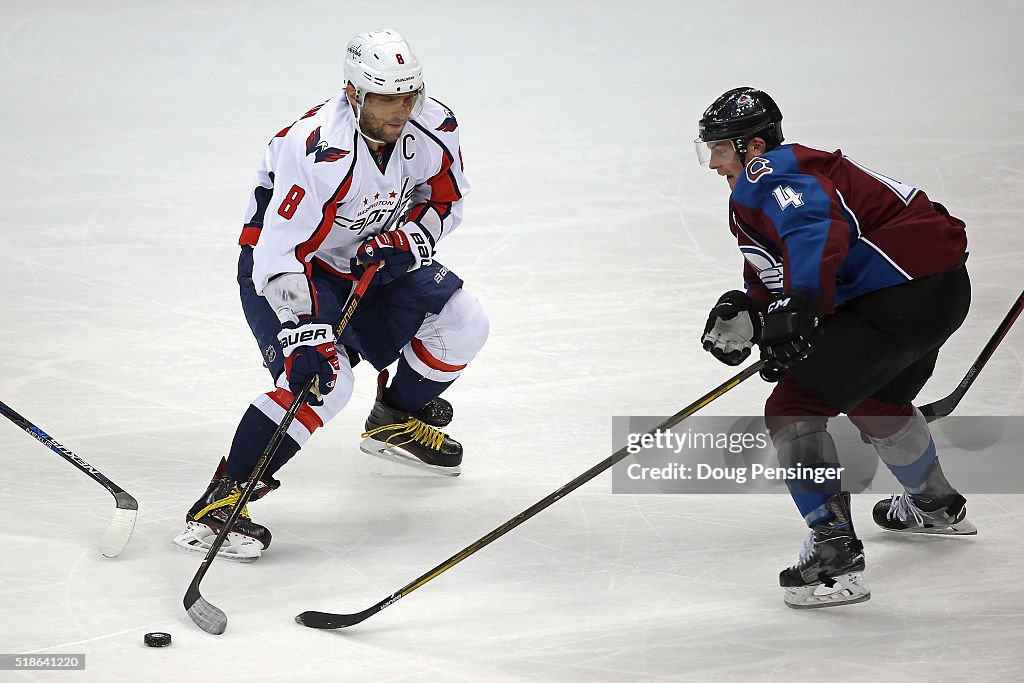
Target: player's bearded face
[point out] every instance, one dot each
(383, 117)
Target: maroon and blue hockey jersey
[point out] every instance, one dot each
(816, 220)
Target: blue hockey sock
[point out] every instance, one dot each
(914, 475)
(251, 439)
(410, 391)
(910, 455)
(812, 498)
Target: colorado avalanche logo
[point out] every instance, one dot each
(758, 167)
(323, 153)
(768, 268)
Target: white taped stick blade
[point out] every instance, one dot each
(119, 531)
(208, 617)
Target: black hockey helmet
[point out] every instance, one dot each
(740, 114)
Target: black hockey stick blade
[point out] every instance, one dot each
(327, 620)
(119, 531)
(945, 406)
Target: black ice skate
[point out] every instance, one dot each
(408, 439)
(828, 572)
(913, 514)
(437, 413)
(245, 542)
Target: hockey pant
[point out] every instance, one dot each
(870, 360)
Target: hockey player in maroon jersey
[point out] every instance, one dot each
(373, 175)
(853, 281)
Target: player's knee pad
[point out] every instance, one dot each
(804, 441)
(448, 340)
(309, 418)
(907, 445)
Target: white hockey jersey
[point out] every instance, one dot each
(320, 191)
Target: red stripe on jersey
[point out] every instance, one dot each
(416, 213)
(305, 249)
(444, 191)
(306, 417)
(420, 349)
(250, 236)
(443, 188)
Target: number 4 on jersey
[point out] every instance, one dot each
(786, 196)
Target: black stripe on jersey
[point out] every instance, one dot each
(262, 196)
(447, 155)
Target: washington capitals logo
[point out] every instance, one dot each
(323, 153)
(449, 124)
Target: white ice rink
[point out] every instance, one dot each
(129, 133)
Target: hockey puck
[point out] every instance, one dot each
(157, 639)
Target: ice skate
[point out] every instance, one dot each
(913, 514)
(438, 413)
(828, 572)
(245, 542)
(402, 437)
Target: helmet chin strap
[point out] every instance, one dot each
(359, 122)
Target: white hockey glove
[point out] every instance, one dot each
(734, 326)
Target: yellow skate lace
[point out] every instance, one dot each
(227, 501)
(414, 430)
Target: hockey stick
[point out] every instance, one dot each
(944, 406)
(119, 531)
(327, 620)
(207, 616)
(937, 410)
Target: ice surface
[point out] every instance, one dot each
(130, 132)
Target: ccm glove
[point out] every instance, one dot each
(309, 349)
(788, 328)
(398, 251)
(772, 371)
(733, 327)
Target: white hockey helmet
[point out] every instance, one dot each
(382, 62)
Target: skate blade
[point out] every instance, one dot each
(403, 457)
(848, 589)
(198, 538)
(961, 528)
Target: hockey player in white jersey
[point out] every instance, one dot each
(373, 175)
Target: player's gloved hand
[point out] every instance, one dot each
(788, 327)
(399, 251)
(772, 371)
(734, 325)
(309, 350)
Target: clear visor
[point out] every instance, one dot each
(421, 95)
(719, 149)
(417, 106)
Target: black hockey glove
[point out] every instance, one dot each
(733, 327)
(309, 349)
(788, 328)
(772, 371)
